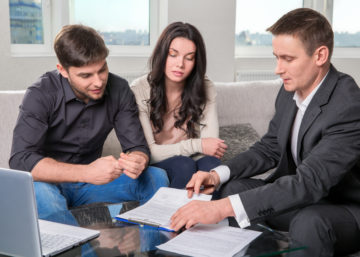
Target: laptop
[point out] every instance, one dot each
(21, 232)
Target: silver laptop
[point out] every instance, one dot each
(21, 232)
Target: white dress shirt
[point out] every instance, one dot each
(302, 105)
(224, 172)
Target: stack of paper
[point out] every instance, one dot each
(159, 209)
(200, 240)
(210, 240)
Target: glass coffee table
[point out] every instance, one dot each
(122, 239)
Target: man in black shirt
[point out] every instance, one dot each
(63, 122)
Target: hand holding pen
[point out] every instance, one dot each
(202, 182)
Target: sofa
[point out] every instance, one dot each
(244, 110)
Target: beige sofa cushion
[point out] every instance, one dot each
(247, 102)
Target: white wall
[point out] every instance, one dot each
(350, 66)
(214, 18)
(216, 21)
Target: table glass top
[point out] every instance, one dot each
(122, 239)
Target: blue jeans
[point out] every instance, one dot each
(181, 168)
(53, 200)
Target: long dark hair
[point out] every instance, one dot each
(193, 98)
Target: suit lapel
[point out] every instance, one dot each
(286, 125)
(321, 98)
(311, 113)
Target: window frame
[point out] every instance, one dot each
(56, 14)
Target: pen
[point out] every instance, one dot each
(202, 187)
(265, 227)
(127, 152)
(283, 237)
(142, 223)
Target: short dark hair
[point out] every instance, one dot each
(310, 26)
(194, 95)
(79, 45)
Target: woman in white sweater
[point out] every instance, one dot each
(177, 107)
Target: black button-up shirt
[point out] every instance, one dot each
(53, 123)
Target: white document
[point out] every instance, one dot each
(210, 240)
(159, 209)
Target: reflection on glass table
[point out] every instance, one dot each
(122, 239)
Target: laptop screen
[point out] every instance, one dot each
(19, 230)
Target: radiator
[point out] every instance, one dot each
(251, 75)
(246, 75)
(130, 76)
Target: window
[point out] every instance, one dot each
(29, 26)
(26, 22)
(346, 23)
(123, 22)
(252, 20)
(129, 27)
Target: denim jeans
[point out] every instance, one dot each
(53, 200)
(181, 168)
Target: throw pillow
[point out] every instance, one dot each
(238, 138)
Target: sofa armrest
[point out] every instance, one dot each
(10, 102)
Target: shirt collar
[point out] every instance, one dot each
(68, 92)
(302, 105)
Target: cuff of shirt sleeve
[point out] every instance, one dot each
(240, 214)
(26, 163)
(224, 173)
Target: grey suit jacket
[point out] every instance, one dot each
(328, 153)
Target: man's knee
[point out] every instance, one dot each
(308, 222)
(310, 227)
(158, 175)
(49, 199)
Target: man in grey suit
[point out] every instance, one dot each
(313, 141)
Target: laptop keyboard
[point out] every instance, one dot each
(55, 242)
